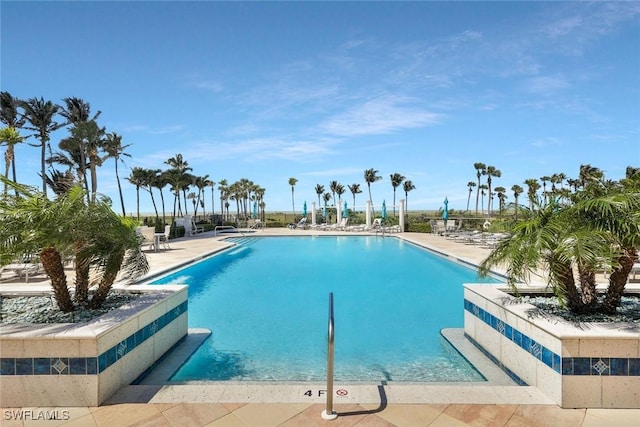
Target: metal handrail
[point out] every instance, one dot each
(226, 227)
(328, 413)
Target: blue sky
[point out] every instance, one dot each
(322, 91)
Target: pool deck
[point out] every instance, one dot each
(153, 403)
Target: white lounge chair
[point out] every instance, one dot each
(301, 224)
(164, 238)
(23, 269)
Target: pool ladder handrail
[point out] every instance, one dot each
(227, 227)
(329, 413)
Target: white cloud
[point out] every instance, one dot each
(380, 116)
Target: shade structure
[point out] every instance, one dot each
(383, 214)
(304, 209)
(255, 210)
(445, 211)
(345, 211)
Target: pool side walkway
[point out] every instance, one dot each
(363, 405)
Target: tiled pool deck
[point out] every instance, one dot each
(154, 404)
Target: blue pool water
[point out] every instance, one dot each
(266, 303)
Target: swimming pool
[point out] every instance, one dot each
(266, 303)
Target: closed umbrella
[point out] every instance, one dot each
(445, 212)
(345, 211)
(304, 209)
(255, 210)
(384, 210)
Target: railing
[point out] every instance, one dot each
(226, 227)
(328, 413)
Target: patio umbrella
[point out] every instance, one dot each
(445, 212)
(345, 211)
(383, 215)
(304, 209)
(255, 210)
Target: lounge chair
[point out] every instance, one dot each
(635, 270)
(148, 237)
(301, 224)
(257, 225)
(342, 226)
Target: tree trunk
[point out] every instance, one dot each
(52, 263)
(589, 297)
(82, 280)
(618, 280)
(110, 274)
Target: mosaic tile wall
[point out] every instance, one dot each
(88, 365)
(595, 365)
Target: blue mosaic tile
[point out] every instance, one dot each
(581, 366)
(131, 341)
(77, 365)
(102, 362)
(24, 366)
(619, 366)
(547, 357)
(517, 337)
(634, 367)
(526, 343)
(112, 356)
(42, 366)
(508, 331)
(567, 366)
(7, 366)
(92, 365)
(59, 366)
(556, 363)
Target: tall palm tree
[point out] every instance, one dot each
(517, 190)
(544, 180)
(532, 187)
(407, 186)
(222, 188)
(137, 178)
(371, 176)
(40, 114)
(482, 194)
(319, 191)
(160, 181)
(355, 189)
(115, 150)
(12, 119)
(491, 172)
(333, 185)
(396, 180)
(500, 191)
(480, 170)
(292, 183)
(340, 191)
(212, 184)
(182, 168)
(470, 184)
(10, 137)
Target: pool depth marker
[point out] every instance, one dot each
(329, 413)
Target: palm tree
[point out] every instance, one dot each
(137, 178)
(491, 172)
(396, 180)
(480, 170)
(407, 186)
(544, 180)
(482, 193)
(333, 185)
(115, 150)
(40, 114)
(500, 191)
(517, 190)
(9, 136)
(371, 176)
(12, 119)
(102, 251)
(589, 174)
(292, 183)
(222, 188)
(355, 189)
(532, 187)
(340, 191)
(159, 181)
(319, 191)
(212, 184)
(570, 242)
(181, 166)
(470, 184)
